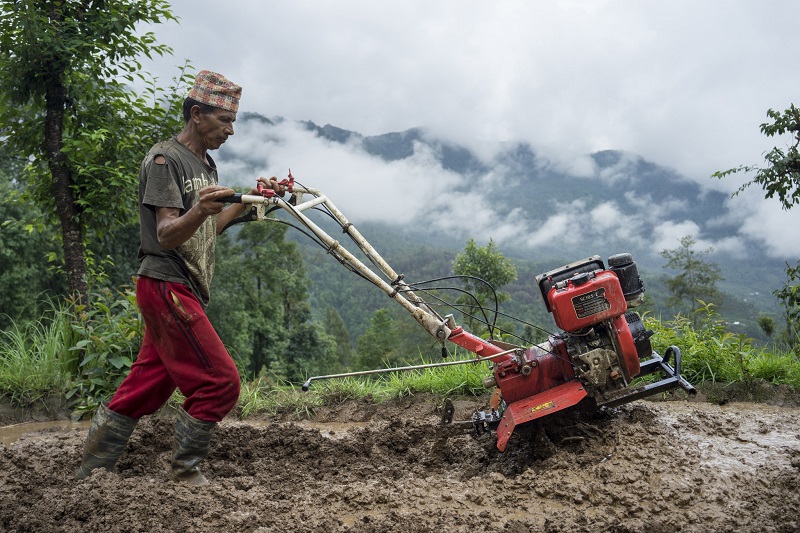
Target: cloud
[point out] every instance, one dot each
(668, 235)
(663, 80)
(555, 229)
(607, 217)
(656, 209)
(362, 186)
(682, 84)
(766, 222)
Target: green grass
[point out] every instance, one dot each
(265, 396)
(35, 361)
(82, 355)
(712, 354)
(466, 379)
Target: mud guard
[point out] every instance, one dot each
(542, 404)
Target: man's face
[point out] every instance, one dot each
(215, 127)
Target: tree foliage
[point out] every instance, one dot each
(781, 175)
(25, 278)
(696, 280)
(789, 296)
(260, 305)
(67, 107)
(484, 270)
(336, 328)
(378, 346)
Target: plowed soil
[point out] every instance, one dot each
(366, 467)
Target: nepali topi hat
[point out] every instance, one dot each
(216, 90)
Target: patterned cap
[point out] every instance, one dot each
(216, 90)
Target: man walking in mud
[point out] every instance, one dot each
(180, 214)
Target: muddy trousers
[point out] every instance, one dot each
(180, 350)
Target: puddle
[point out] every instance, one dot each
(11, 434)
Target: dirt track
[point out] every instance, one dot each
(658, 467)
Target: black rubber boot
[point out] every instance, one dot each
(192, 440)
(107, 439)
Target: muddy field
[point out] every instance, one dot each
(647, 466)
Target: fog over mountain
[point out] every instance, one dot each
(602, 203)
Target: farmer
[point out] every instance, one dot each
(180, 217)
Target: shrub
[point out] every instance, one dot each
(110, 331)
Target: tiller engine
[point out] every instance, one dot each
(602, 348)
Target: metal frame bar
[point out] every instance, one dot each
(656, 363)
(396, 289)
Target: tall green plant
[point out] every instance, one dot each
(479, 264)
(67, 108)
(34, 358)
(696, 278)
(711, 353)
(789, 296)
(781, 175)
(108, 336)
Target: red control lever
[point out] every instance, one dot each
(269, 193)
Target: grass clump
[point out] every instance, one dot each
(712, 354)
(264, 396)
(466, 379)
(35, 359)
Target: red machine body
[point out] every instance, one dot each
(586, 300)
(596, 355)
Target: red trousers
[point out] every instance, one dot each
(180, 350)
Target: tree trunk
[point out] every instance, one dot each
(66, 208)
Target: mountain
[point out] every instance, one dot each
(540, 213)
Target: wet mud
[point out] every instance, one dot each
(364, 467)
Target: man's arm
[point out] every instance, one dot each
(173, 229)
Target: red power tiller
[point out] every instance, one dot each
(602, 347)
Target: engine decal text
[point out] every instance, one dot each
(591, 303)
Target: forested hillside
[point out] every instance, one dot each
(356, 300)
(540, 214)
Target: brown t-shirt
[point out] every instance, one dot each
(176, 184)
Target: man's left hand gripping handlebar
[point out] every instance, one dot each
(266, 188)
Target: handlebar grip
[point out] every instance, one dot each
(232, 199)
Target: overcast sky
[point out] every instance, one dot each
(684, 84)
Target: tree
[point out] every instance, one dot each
(781, 175)
(478, 265)
(767, 325)
(789, 296)
(696, 280)
(24, 279)
(67, 108)
(336, 328)
(377, 346)
(311, 352)
(260, 305)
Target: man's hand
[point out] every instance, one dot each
(271, 183)
(208, 203)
